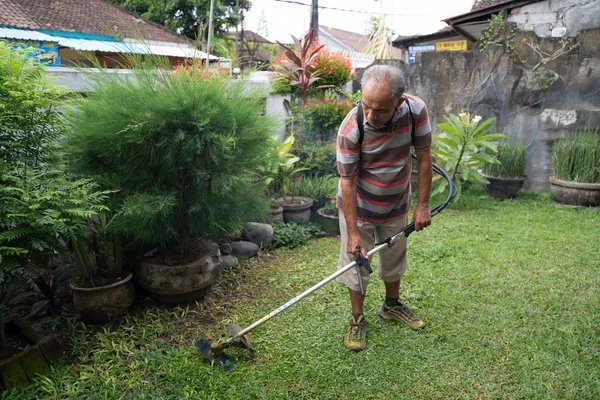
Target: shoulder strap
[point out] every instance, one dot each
(360, 117)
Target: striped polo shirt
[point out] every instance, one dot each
(383, 162)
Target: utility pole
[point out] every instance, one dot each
(210, 28)
(314, 19)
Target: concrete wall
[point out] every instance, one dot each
(568, 16)
(566, 89)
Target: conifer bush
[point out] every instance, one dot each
(181, 149)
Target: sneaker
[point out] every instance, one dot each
(356, 336)
(401, 312)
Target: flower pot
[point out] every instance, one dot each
(184, 282)
(274, 214)
(575, 193)
(503, 187)
(329, 223)
(100, 304)
(298, 211)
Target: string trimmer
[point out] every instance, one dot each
(213, 351)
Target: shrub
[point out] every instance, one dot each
(182, 150)
(577, 158)
(319, 160)
(317, 187)
(512, 158)
(293, 234)
(323, 118)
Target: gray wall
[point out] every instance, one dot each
(569, 88)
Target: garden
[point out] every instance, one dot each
(159, 210)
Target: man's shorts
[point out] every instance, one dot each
(392, 260)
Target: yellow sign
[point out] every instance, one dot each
(455, 45)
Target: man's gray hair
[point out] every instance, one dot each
(386, 74)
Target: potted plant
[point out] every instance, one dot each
(507, 177)
(329, 218)
(179, 150)
(295, 208)
(461, 151)
(576, 162)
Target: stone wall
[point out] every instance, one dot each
(566, 90)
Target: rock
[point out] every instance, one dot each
(244, 249)
(229, 260)
(225, 248)
(260, 234)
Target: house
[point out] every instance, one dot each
(253, 55)
(544, 17)
(352, 44)
(69, 32)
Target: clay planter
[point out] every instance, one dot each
(182, 282)
(575, 193)
(299, 211)
(329, 223)
(274, 214)
(506, 188)
(101, 304)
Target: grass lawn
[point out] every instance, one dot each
(510, 292)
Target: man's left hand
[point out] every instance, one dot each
(422, 218)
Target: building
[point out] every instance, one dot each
(252, 54)
(69, 32)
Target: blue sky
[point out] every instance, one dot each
(405, 17)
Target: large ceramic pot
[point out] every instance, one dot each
(503, 187)
(182, 282)
(298, 210)
(100, 304)
(329, 223)
(575, 193)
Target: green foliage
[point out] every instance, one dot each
(461, 151)
(181, 150)
(294, 234)
(281, 172)
(317, 187)
(31, 113)
(545, 77)
(40, 214)
(318, 160)
(577, 158)
(498, 31)
(511, 157)
(323, 118)
(189, 17)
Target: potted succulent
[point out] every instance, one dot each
(178, 149)
(295, 208)
(507, 177)
(576, 162)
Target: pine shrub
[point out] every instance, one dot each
(181, 149)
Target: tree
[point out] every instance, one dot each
(188, 17)
(263, 27)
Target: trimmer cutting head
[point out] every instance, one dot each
(213, 351)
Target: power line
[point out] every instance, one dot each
(359, 11)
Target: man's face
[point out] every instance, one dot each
(378, 104)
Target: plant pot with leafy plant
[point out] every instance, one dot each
(180, 150)
(507, 177)
(461, 150)
(329, 218)
(576, 162)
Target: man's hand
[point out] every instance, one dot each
(355, 244)
(421, 218)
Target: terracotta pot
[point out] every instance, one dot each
(274, 214)
(503, 187)
(298, 211)
(101, 304)
(329, 223)
(575, 193)
(183, 282)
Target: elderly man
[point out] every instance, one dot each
(374, 196)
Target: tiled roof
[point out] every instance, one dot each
(354, 41)
(479, 4)
(98, 17)
(249, 36)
